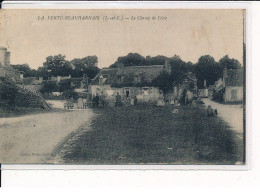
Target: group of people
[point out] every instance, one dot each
(118, 101)
(98, 100)
(81, 104)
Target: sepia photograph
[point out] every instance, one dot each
(123, 86)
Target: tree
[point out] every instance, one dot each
(90, 61)
(207, 69)
(43, 72)
(57, 65)
(167, 80)
(8, 93)
(163, 81)
(179, 70)
(91, 71)
(27, 71)
(229, 63)
(65, 85)
(86, 66)
(157, 60)
(132, 59)
(49, 87)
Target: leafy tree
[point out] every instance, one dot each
(229, 63)
(91, 71)
(179, 70)
(166, 80)
(86, 66)
(207, 69)
(90, 61)
(66, 85)
(8, 92)
(163, 81)
(57, 65)
(157, 60)
(132, 59)
(43, 72)
(67, 94)
(49, 87)
(27, 71)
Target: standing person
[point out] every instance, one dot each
(80, 103)
(85, 102)
(135, 100)
(93, 100)
(210, 111)
(118, 100)
(102, 99)
(160, 101)
(96, 100)
(132, 101)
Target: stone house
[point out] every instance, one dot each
(134, 81)
(231, 84)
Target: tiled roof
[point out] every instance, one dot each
(234, 77)
(111, 75)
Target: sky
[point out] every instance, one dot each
(187, 33)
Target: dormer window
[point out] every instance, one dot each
(120, 78)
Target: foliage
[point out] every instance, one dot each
(49, 87)
(157, 60)
(163, 81)
(86, 66)
(67, 94)
(229, 63)
(8, 92)
(218, 95)
(57, 65)
(65, 85)
(207, 69)
(179, 70)
(27, 71)
(132, 59)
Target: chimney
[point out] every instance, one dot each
(167, 66)
(7, 58)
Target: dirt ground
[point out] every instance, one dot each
(146, 134)
(32, 138)
(232, 114)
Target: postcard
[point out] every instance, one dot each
(123, 86)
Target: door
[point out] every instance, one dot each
(234, 95)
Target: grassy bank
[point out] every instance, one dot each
(154, 135)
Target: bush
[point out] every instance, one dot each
(49, 87)
(218, 95)
(8, 93)
(69, 93)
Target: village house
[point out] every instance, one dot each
(6, 70)
(33, 83)
(134, 81)
(231, 84)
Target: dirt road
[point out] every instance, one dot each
(232, 114)
(32, 138)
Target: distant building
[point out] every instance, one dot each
(111, 81)
(33, 83)
(135, 81)
(231, 84)
(6, 70)
(211, 90)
